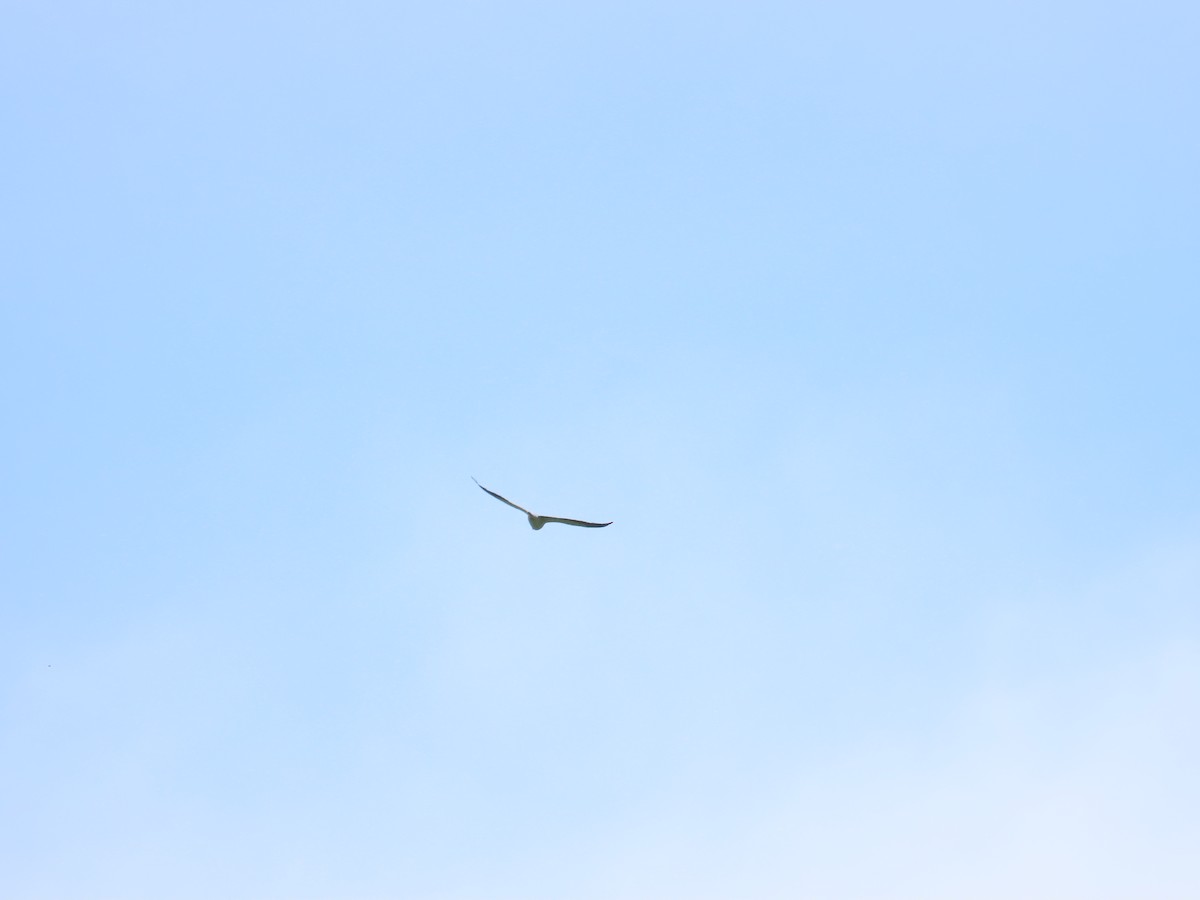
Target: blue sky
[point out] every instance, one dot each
(873, 329)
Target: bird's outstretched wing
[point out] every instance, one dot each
(576, 522)
(502, 499)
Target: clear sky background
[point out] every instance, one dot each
(875, 328)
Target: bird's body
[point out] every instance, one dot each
(536, 522)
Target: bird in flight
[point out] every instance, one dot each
(536, 521)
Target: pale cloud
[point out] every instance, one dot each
(1076, 782)
(1103, 806)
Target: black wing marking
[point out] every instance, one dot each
(501, 499)
(579, 522)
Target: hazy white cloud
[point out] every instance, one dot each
(1073, 783)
